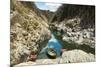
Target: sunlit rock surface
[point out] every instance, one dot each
(28, 29)
(73, 56)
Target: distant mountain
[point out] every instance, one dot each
(48, 14)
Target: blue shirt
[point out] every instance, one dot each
(55, 44)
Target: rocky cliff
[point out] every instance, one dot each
(85, 12)
(73, 25)
(28, 29)
(77, 23)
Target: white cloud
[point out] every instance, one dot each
(53, 6)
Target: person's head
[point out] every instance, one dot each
(51, 53)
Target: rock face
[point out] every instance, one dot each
(77, 23)
(28, 29)
(73, 56)
(77, 56)
(84, 12)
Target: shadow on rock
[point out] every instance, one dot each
(72, 46)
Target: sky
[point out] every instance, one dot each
(48, 6)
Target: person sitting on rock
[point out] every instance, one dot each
(53, 48)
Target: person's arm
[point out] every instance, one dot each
(44, 49)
